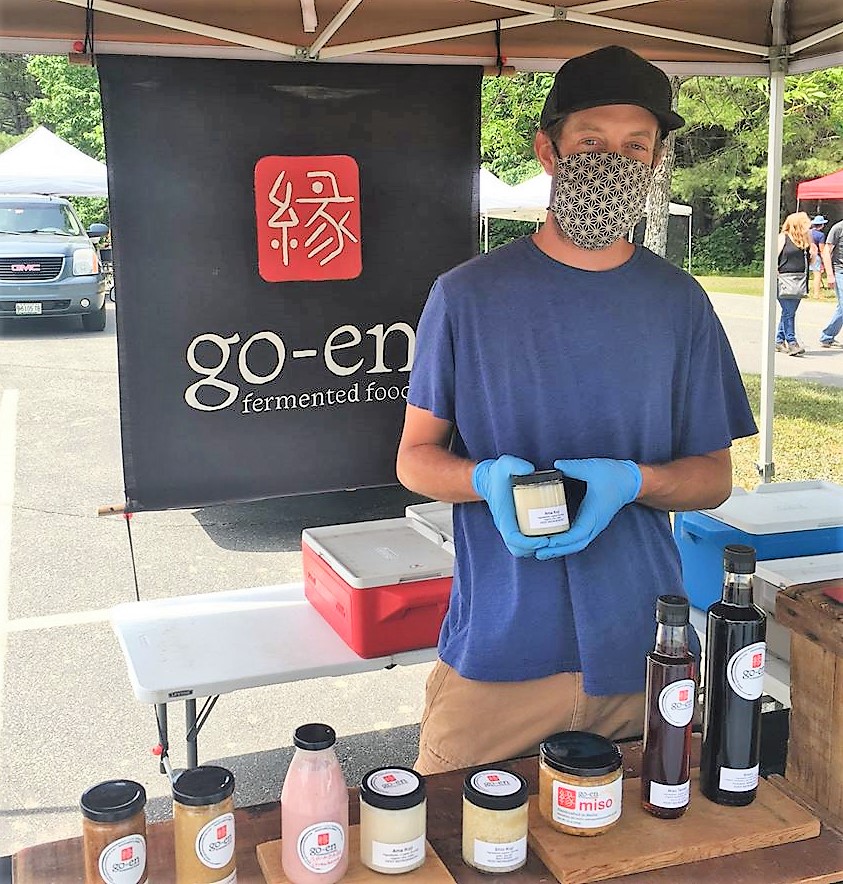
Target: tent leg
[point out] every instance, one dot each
(766, 466)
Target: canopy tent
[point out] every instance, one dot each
(708, 37)
(44, 163)
(829, 187)
(495, 195)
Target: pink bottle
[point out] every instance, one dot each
(314, 810)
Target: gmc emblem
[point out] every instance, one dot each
(26, 268)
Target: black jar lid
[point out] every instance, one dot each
(314, 737)
(203, 786)
(392, 788)
(581, 754)
(494, 789)
(113, 801)
(539, 478)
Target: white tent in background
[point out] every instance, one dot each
(529, 201)
(44, 163)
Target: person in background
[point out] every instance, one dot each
(818, 238)
(832, 253)
(577, 350)
(796, 251)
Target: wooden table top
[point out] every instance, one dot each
(818, 861)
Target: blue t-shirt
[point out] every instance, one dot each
(530, 357)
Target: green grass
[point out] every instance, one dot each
(807, 433)
(744, 285)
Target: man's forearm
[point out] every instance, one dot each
(689, 483)
(436, 472)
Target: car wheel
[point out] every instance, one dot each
(94, 322)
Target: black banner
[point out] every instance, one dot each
(276, 228)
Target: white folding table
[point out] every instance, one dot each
(183, 648)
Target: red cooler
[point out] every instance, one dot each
(383, 586)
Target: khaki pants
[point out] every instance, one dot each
(467, 722)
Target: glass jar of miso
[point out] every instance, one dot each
(203, 823)
(114, 833)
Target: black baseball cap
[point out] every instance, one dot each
(612, 75)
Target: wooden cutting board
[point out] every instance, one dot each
(432, 872)
(639, 842)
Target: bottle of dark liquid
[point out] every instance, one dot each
(735, 654)
(671, 699)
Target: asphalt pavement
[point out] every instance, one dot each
(68, 717)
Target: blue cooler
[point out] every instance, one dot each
(781, 520)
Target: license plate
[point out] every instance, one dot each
(29, 308)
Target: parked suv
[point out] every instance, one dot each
(48, 264)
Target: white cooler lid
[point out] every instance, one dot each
(380, 553)
(783, 506)
(801, 569)
(436, 515)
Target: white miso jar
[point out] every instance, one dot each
(540, 504)
(393, 820)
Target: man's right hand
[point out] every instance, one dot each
(491, 480)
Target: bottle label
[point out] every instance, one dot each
(495, 782)
(745, 671)
(397, 857)
(215, 842)
(738, 779)
(500, 856)
(589, 807)
(676, 702)
(124, 860)
(392, 781)
(321, 847)
(670, 796)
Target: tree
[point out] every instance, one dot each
(17, 90)
(658, 205)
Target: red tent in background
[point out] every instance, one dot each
(829, 187)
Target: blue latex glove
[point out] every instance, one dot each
(612, 484)
(491, 480)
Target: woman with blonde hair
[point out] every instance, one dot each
(796, 250)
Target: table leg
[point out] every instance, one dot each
(192, 733)
(163, 735)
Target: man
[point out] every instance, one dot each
(817, 238)
(832, 253)
(577, 349)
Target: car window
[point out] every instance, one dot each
(47, 218)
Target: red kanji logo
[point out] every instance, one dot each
(493, 778)
(222, 831)
(126, 854)
(308, 217)
(322, 839)
(389, 778)
(567, 798)
(756, 661)
(683, 695)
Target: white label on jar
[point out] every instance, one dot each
(123, 861)
(500, 856)
(320, 847)
(396, 857)
(229, 879)
(495, 782)
(736, 779)
(215, 842)
(670, 796)
(676, 702)
(547, 517)
(391, 781)
(746, 671)
(587, 807)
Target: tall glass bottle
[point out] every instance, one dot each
(735, 653)
(314, 810)
(671, 699)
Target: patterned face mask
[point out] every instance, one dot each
(599, 197)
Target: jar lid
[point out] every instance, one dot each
(392, 788)
(314, 737)
(113, 801)
(581, 754)
(495, 789)
(203, 786)
(541, 477)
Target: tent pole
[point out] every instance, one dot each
(778, 68)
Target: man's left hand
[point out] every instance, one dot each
(612, 484)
